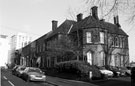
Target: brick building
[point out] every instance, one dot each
(90, 39)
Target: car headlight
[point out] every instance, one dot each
(32, 75)
(43, 76)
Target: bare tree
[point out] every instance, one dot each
(107, 9)
(113, 7)
(66, 44)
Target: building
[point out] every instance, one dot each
(90, 39)
(18, 41)
(4, 49)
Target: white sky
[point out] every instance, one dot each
(34, 17)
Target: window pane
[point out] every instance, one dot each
(88, 37)
(102, 37)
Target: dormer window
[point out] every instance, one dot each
(88, 37)
(102, 37)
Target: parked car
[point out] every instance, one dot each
(20, 70)
(116, 72)
(33, 74)
(104, 71)
(124, 71)
(14, 69)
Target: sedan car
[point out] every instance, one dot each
(33, 74)
(104, 71)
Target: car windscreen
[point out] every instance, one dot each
(34, 70)
(22, 68)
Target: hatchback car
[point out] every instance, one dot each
(33, 74)
(124, 71)
(115, 70)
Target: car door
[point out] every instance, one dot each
(24, 74)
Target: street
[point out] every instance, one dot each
(7, 79)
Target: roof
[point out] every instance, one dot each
(63, 28)
(88, 22)
(91, 22)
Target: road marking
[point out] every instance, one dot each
(11, 83)
(5, 77)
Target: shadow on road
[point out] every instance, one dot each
(112, 82)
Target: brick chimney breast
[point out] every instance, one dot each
(79, 17)
(95, 12)
(54, 24)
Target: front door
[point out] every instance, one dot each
(89, 57)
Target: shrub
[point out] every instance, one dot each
(78, 67)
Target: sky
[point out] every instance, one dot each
(34, 17)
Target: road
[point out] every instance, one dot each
(7, 79)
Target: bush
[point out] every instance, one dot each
(78, 67)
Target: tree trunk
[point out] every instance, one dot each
(106, 60)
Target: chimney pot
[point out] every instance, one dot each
(79, 17)
(54, 24)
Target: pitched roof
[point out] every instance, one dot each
(91, 22)
(63, 28)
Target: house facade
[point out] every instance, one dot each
(90, 39)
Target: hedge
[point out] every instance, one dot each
(78, 67)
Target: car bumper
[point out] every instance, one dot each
(38, 79)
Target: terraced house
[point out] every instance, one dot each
(90, 39)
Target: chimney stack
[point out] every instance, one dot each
(116, 21)
(79, 17)
(54, 25)
(95, 12)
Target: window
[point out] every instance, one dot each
(121, 42)
(88, 37)
(121, 61)
(102, 59)
(102, 37)
(116, 42)
(43, 46)
(89, 57)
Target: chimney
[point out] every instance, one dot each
(79, 17)
(95, 12)
(116, 21)
(54, 25)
